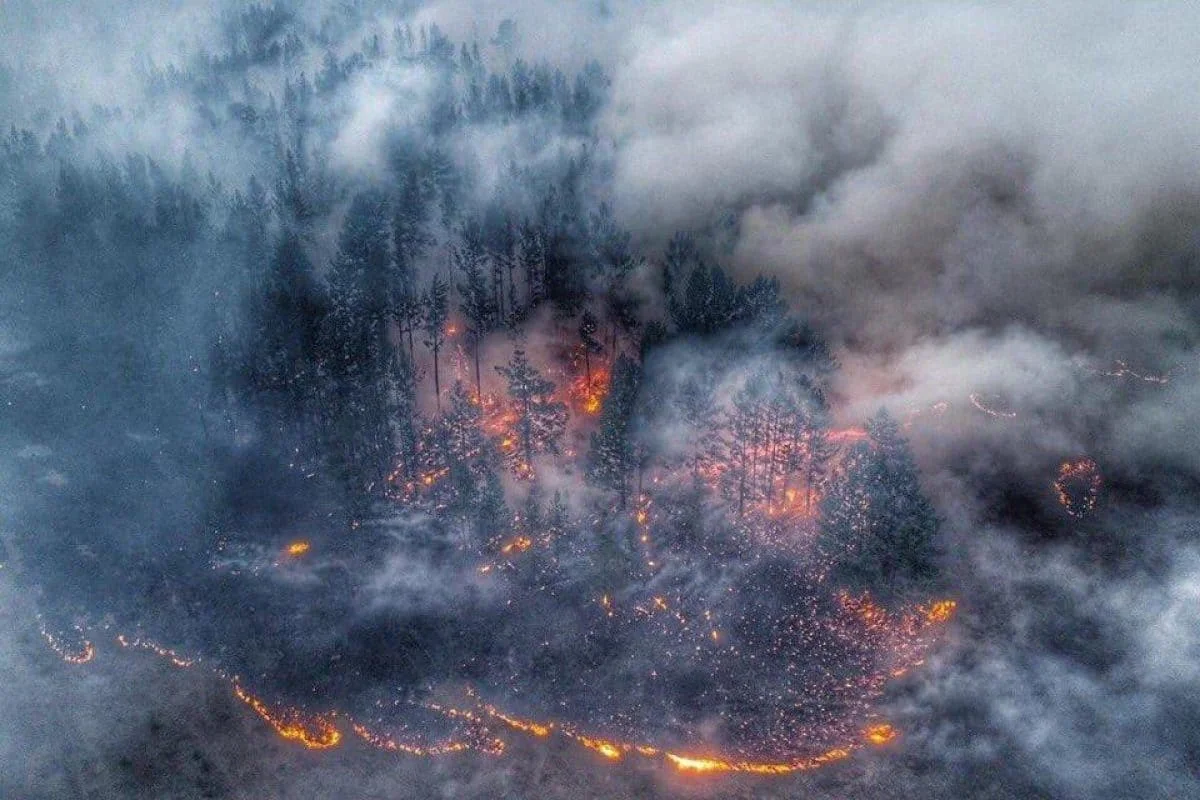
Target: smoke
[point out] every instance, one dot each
(990, 211)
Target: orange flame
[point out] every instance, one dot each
(297, 548)
(880, 733)
(315, 733)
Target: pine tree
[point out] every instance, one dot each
(741, 443)
(460, 447)
(613, 456)
(587, 337)
(410, 240)
(492, 517)
(402, 415)
(436, 311)
(464, 441)
(878, 530)
(286, 321)
(532, 517)
(541, 419)
(532, 249)
(477, 302)
(355, 347)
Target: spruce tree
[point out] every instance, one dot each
(878, 530)
(541, 420)
(613, 457)
(436, 311)
(410, 240)
(477, 301)
(587, 337)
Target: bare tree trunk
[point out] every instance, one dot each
(437, 384)
(478, 379)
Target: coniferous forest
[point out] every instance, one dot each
(361, 365)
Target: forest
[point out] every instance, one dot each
(573, 472)
(522, 398)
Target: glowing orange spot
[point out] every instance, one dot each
(610, 750)
(941, 611)
(539, 729)
(880, 734)
(517, 545)
(297, 548)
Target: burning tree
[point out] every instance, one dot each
(541, 420)
(773, 437)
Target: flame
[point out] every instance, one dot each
(847, 435)
(941, 611)
(880, 733)
(610, 750)
(517, 545)
(297, 548)
(315, 733)
(321, 732)
(587, 396)
(710, 765)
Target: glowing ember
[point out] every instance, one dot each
(1121, 370)
(158, 650)
(991, 406)
(297, 548)
(880, 734)
(941, 611)
(609, 750)
(393, 746)
(84, 652)
(517, 545)
(315, 733)
(1078, 486)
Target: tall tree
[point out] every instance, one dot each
(613, 455)
(286, 317)
(541, 420)
(477, 302)
(436, 311)
(587, 337)
(410, 240)
(355, 347)
(878, 529)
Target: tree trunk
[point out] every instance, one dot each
(478, 379)
(437, 384)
